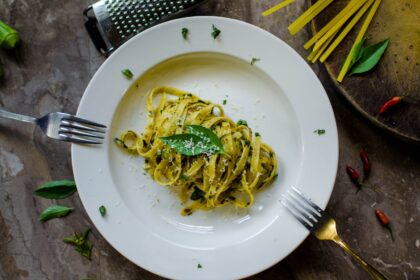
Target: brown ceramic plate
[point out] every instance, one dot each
(398, 72)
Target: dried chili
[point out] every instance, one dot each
(390, 103)
(366, 163)
(384, 220)
(354, 176)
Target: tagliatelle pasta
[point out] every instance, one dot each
(207, 180)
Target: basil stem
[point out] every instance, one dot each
(56, 189)
(9, 37)
(54, 211)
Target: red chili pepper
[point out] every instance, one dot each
(390, 103)
(384, 221)
(366, 163)
(354, 176)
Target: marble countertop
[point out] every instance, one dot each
(50, 71)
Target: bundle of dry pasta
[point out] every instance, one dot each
(332, 34)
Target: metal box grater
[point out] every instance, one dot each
(112, 22)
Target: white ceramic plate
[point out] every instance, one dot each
(279, 96)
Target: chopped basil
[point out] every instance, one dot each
(254, 59)
(216, 32)
(127, 73)
(183, 177)
(197, 194)
(199, 266)
(319, 131)
(242, 122)
(184, 32)
(257, 134)
(120, 143)
(247, 142)
(224, 101)
(102, 210)
(365, 58)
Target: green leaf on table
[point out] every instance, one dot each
(369, 57)
(81, 243)
(199, 140)
(54, 211)
(9, 37)
(56, 189)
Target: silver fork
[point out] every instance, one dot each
(65, 127)
(320, 224)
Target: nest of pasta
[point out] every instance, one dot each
(209, 179)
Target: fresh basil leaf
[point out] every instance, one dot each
(187, 144)
(208, 136)
(369, 57)
(56, 189)
(184, 32)
(54, 211)
(357, 51)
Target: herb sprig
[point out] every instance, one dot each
(81, 243)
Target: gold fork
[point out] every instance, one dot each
(320, 224)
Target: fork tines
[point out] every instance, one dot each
(304, 210)
(82, 131)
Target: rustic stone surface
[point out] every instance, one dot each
(50, 71)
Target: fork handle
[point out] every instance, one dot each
(369, 269)
(14, 116)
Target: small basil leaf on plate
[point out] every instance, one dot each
(102, 210)
(56, 189)
(54, 211)
(208, 136)
(369, 57)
